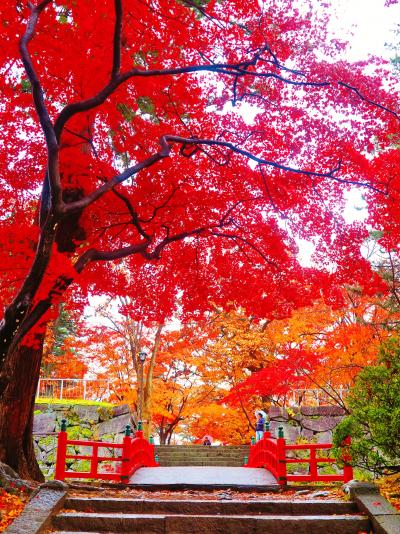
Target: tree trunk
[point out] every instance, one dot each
(162, 433)
(148, 390)
(16, 411)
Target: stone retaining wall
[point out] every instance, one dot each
(312, 423)
(84, 421)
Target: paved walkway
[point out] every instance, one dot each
(203, 476)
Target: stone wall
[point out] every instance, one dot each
(310, 423)
(84, 421)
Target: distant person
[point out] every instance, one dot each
(207, 441)
(260, 425)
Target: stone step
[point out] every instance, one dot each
(201, 453)
(184, 524)
(211, 507)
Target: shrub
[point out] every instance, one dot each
(374, 420)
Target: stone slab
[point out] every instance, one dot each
(216, 524)
(37, 513)
(148, 524)
(384, 517)
(224, 506)
(204, 476)
(386, 524)
(376, 504)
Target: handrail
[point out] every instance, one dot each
(271, 453)
(135, 452)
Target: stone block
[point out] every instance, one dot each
(354, 488)
(60, 407)
(114, 426)
(275, 412)
(322, 424)
(44, 423)
(87, 413)
(291, 433)
(122, 409)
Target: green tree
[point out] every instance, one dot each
(374, 420)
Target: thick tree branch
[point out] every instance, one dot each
(261, 161)
(79, 205)
(37, 91)
(40, 106)
(117, 39)
(221, 68)
(167, 140)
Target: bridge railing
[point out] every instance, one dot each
(131, 454)
(271, 453)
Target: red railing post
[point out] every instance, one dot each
(267, 433)
(61, 451)
(126, 455)
(347, 468)
(281, 457)
(139, 431)
(95, 460)
(313, 471)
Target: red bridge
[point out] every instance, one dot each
(269, 456)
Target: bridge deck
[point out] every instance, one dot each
(203, 476)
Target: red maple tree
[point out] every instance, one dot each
(129, 165)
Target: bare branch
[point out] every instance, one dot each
(235, 237)
(368, 100)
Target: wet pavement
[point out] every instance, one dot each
(203, 476)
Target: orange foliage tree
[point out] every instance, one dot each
(316, 348)
(63, 347)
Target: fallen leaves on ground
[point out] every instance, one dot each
(220, 494)
(11, 505)
(390, 488)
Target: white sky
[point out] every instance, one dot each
(372, 25)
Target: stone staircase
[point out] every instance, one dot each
(183, 515)
(182, 455)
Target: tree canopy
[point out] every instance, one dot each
(177, 150)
